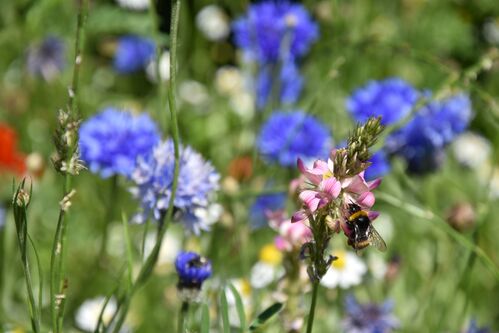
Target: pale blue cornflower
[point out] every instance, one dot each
(197, 184)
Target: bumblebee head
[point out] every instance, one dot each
(353, 208)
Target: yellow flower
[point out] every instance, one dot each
(340, 262)
(270, 254)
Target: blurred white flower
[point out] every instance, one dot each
(164, 68)
(213, 23)
(471, 150)
(243, 103)
(268, 269)
(344, 272)
(209, 215)
(134, 4)
(377, 265)
(170, 247)
(491, 31)
(193, 92)
(87, 315)
(228, 80)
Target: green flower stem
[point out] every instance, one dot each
(182, 317)
(151, 260)
(113, 192)
(57, 281)
(311, 314)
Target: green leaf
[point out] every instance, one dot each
(265, 316)
(205, 319)
(240, 307)
(224, 307)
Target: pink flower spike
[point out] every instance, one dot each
(372, 215)
(281, 244)
(299, 216)
(374, 184)
(355, 184)
(366, 200)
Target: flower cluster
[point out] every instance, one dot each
(369, 318)
(286, 136)
(276, 35)
(111, 141)
(47, 59)
(422, 140)
(198, 181)
(133, 53)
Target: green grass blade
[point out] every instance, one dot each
(240, 307)
(224, 308)
(205, 319)
(128, 246)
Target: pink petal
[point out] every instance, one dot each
(313, 175)
(374, 184)
(332, 187)
(355, 184)
(299, 216)
(366, 199)
(372, 215)
(281, 244)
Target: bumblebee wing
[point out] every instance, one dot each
(376, 240)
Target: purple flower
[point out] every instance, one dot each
(192, 270)
(197, 184)
(368, 318)
(111, 141)
(47, 59)
(287, 136)
(473, 328)
(133, 54)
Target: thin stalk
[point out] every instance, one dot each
(182, 317)
(109, 215)
(57, 282)
(151, 260)
(311, 314)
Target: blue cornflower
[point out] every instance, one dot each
(368, 318)
(192, 270)
(289, 84)
(264, 204)
(47, 59)
(473, 328)
(422, 141)
(111, 141)
(197, 183)
(392, 99)
(287, 136)
(133, 53)
(273, 27)
(3, 216)
(380, 166)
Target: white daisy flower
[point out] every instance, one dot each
(193, 92)
(87, 315)
(268, 269)
(164, 68)
(229, 80)
(345, 272)
(471, 150)
(213, 23)
(134, 4)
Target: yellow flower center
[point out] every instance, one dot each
(270, 254)
(245, 288)
(341, 261)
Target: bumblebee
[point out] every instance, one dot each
(362, 233)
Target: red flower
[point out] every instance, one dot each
(10, 159)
